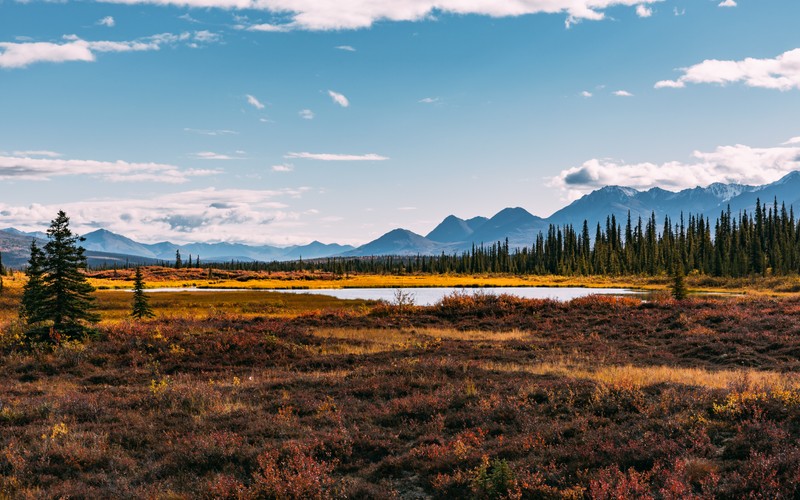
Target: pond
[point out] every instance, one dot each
(430, 296)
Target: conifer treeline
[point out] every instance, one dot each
(766, 240)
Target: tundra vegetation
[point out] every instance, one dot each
(265, 395)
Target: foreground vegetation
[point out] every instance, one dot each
(260, 395)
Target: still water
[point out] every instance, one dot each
(430, 296)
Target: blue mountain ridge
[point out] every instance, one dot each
(455, 234)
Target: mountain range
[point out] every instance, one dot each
(453, 234)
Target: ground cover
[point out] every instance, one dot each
(484, 396)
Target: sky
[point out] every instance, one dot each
(285, 121)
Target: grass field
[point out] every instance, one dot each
(246, 394)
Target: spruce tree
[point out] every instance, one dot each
(141, 306)
(679, 291)
(67, 299)
(178, 263)
(32, 308)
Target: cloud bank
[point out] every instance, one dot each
(23, 54)
(323, 15)
(728, 164)
(204, 215)
(779, 73)
(30, 168)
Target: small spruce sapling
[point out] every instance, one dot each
(679, 291)
(141, 305)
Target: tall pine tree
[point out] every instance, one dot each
(68, 300)
(32, 308)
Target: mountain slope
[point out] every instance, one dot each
(397, 242)
(106, 241)
(516, 224)
(451, 230)
(314, 250)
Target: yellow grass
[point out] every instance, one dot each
(643, 376)
(374, 340)
(386, 281)
(756, 285)
(115, 305)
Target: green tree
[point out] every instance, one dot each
(178, 263)
(141, 306)
(67, 300)
(679, 291)
(32, 308)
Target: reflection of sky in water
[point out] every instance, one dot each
(430, 296)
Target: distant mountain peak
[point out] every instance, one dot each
(726, 192)
(625, 191)
(791, 176)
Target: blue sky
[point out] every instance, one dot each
(282, 122)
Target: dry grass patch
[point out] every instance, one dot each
(376, 340)
(644, 376)
(477, 335)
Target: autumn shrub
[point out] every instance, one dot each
(611, 483)
(292, 473)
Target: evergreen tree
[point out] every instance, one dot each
(679, 291)
(178, 263)
(32, 308)
(67, 299)
(2, 272)
(141, 306)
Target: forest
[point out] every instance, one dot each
(766, 241)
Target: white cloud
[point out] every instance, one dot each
(210, 132)
(306, 114)
(669, 84)
(335, 157)
(780, 73)
(284, 167)
(20, 55)
(205, 36)
(339, 99)
(254, 102)
(357, 14)
(26, 167)
(188, 18)
(793, 140)
(107, 21)
(643, 11)
(346, 48)
(203, 215)
(406, 209)
(429, 100)
(623, 93)
(728, 164)
(586, 94)
(210, 155)
(677, 12)
(266, 27)
(727, 3)
(45, 153)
